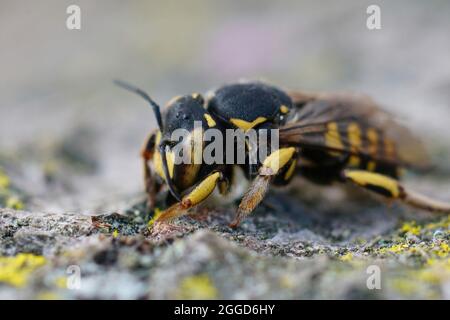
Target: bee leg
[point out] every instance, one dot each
(252, 198)
(392, 189)
(258, 189)
(152, 187)
(197, 194)
(227, 180)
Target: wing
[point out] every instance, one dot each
(352, 124)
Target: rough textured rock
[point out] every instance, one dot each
(70, 174)
(268, 258)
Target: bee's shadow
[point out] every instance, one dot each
(336, 222)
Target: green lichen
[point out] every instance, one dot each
(16, 270)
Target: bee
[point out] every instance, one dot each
(323, 137)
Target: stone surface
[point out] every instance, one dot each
(200, 257)
(70, 173)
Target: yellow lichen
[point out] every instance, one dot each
(438, 271)
(396, 248)
(412, 287)
(428, 276)
(431, 251)
(347, 257)
(411, 227)
(431, 261)
(443, 223)
(16, 270)
(14, 203)
(47, 296)
(7, 198)
(61, 282)
(405, 286)
(423, 281)
(115, 233)
(197, 287)
(443, 250)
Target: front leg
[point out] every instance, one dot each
(152, 186)
(198, 194)
(271, 166)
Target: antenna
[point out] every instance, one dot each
(163, 144)
(143, 94)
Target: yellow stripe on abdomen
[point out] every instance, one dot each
(333, 138)
(354, 138)
(372, 148)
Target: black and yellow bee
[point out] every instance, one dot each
(322, 137)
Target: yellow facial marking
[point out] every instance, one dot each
(203, 190)
(157, 160)
(364, 178)
(245, 125)
(290, 171)
(354, 137)
(284, 109)
(333, 138)
(278, 159)
(170, 162)
(372, 137)
(158, 137)
(157, 163)
(209, 120)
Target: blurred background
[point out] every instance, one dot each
(70, 139)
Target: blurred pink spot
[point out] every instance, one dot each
(243, 47)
